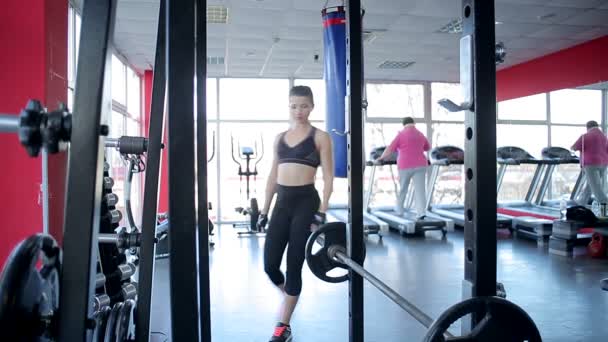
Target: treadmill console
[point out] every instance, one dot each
(512, 155)
(446, 155)
(377, 152)
(559, 154)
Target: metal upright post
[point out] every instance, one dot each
(85, 172)
(356, 162)
(478, 79)
(182, 214)
(201, 134)
(150, 201)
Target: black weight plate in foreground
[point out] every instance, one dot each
(502, 321)
(29, 297)
(320, 263)
(109, 335)
(124, 321)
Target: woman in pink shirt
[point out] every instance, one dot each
(411, 145)
(594, 159)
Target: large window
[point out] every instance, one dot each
(565, 136)
(73, 46)
(532, 138)
(395, 100)
(449, 91)
(211, 98)
(254, 99)
(448, 134)
(524, 108)
(126, 119)
(576, 106)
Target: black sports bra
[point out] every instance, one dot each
(305, 152)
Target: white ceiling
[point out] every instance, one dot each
(278, 38)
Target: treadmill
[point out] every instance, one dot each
(533, 218)
(406, 224)
(444, 156)
(371, 224)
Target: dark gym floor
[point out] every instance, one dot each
(561, 294)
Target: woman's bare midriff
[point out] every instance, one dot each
(291, 174)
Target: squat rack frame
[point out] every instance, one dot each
(189, 269)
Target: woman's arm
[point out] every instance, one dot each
(271, 183)
(327, 166)
(577, 144)
(390, 148)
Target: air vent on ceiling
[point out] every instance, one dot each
(395, 65)
(217, 14)
(454, 26)
(215, 60)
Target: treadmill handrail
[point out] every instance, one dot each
(380, 162)
(446, 162)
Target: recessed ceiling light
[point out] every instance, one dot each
(455, 26)
(251, 53)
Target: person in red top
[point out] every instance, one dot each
(411, 145)
(593, 146)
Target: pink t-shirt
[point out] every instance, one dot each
(594, 148)
(411, 145)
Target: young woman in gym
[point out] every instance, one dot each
(412, 163)
(593, 146)
(298, 152)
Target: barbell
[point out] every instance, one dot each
(501, 320)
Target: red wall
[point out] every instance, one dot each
(163, 195)
(573, 67)
(32, 65)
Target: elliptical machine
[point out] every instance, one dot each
(248, 155)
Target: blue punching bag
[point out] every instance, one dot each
(334, 74)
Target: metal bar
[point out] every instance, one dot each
(107, 238)
(44, 191)
(182, 213)
(480, 148)
(577, 187)
(536, 179)
(9, 123)
(112, 142)
(204, 295)
(546, 182)
(501, 175)
(150, 200)
(431, 186)
(356, 162)
(85, 170)
(369, 193)
(406, 305)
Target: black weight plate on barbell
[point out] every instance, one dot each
(29, 297)
(320, 263)
(503, 321)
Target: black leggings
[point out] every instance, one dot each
(290, 223)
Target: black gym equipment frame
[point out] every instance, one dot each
(478, 78)
(183, 277)
(85, 169)
(204, 295)
(150, 201)
(356, 163)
